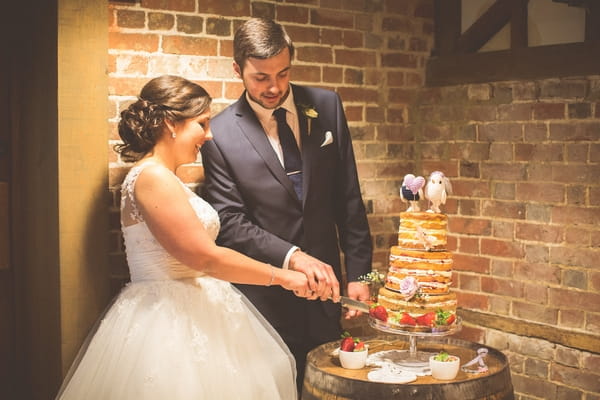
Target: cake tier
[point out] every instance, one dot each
(416, 306)
(422, 230)
(432, 270)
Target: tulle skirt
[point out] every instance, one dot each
(189, 339)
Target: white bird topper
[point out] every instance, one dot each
(437, 189)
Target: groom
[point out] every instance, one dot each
(281, 173)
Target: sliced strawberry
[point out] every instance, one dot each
(426, 319)
(379, 312)
(451, 319)
(360, 346)
(407, 319)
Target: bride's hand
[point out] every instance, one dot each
(296, 282)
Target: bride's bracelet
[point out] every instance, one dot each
(272, 275)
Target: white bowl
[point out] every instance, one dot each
(444, 370)
(353, 359)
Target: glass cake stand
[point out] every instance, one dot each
(412, 359)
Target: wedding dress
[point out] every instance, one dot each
(175, 333)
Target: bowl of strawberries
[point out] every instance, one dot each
(353, 352)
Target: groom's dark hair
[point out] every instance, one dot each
(260, 38)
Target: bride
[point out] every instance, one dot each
(180, 330)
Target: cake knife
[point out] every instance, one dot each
(355, 304)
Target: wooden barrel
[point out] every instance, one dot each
(325, 379)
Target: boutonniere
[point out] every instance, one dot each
(309, 112)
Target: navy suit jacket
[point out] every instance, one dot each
(260, 214)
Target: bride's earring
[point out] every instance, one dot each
(173, 135)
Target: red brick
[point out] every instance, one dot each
(501, 248)
(515, 112)
(352, 39)
(535, 312)
(540, 192)
(331, 18)
(131, 64)
(576, 377)
(357, 58)
(535, 132)
(543, 111)
(571, 319)
(468, 282)
(399, 60)
(470, 226)
(349, 94)
(190, 45)
(539, 232)
(125, 86)
(501, 132)
(575, 173)
(575, 215)
(131, 19)
(292, 14)
(468, 245)
(354, 113)
(173, 5)
(469, 187)
(503, 287)
(573, 131)
(473, 301)
(333, 74)
(538, 271)
(133, 41)
(397, 24)
(503, 209)
(160, 21)
(471, 263)
(192, 24)
(571, 299)
(535, 387)
(318, 54)
(306, 73)
(233, 90)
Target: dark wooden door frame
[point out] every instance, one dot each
(454, 59)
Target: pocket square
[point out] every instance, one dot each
(328, 139)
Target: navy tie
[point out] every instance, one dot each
(292, 160)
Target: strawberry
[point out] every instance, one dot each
(347, 342)
(426, 319)
(360, 346)
(379, 312)
(451, 319)
(407, 319)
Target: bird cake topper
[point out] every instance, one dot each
(412, 191)
(437, 190)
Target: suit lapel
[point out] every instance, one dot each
(252, 129)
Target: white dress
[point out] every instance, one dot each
(174, 333)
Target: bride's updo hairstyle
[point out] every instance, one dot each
(165, 98)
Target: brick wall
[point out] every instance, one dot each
(524, 161)
(523, 158)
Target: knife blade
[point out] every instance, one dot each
(355, 304)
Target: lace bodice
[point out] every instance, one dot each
(146, 258)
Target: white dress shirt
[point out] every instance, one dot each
(269, 124)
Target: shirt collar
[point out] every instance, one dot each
(264, 114)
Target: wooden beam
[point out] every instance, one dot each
(485, 27)
(577, 340)
(447, 26)
(592, 20)
(520, 63)
(518, 24)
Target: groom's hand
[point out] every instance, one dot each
(321, 278)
